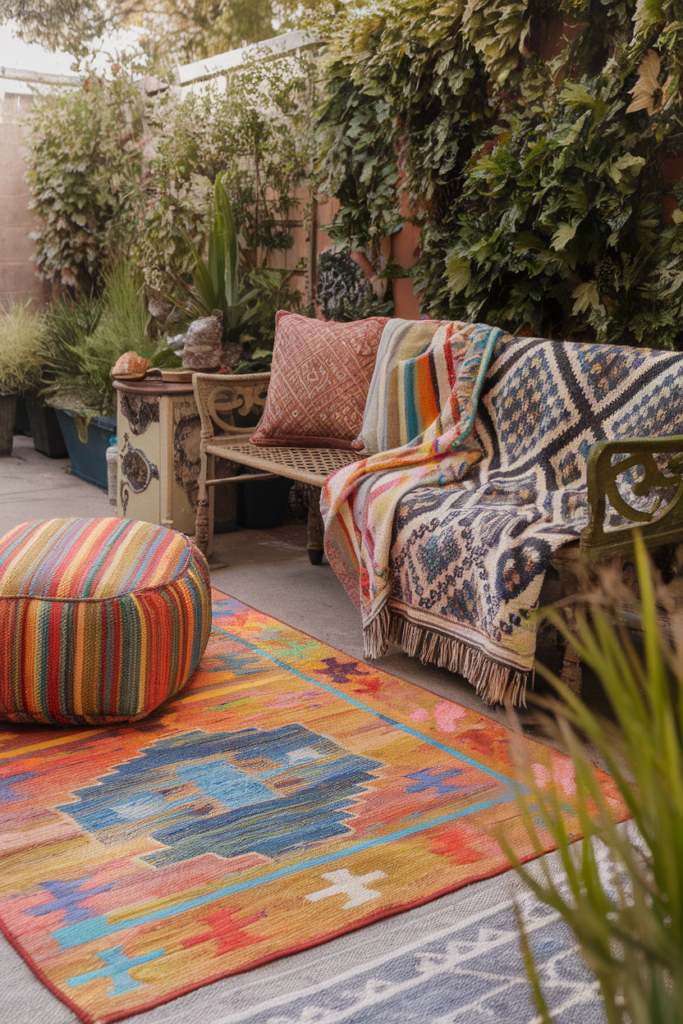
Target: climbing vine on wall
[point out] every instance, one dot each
(534, 141)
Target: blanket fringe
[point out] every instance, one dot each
(376, 634)
(494, 682)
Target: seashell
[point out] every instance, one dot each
(130, 366)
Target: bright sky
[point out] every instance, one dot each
(16, 54)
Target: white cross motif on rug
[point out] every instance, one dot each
(353, 886)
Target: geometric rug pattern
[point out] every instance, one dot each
(455, 960)
(288, 795)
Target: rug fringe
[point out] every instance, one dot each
(494, 682)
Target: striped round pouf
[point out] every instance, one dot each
(100, 619)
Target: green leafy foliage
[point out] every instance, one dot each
(23, 349)
(401, 90)
(531, 140)
(560, 229)
(252, 128)
(56, 24)
(84, 166)
(621, 891)
(116, 174)
(273, 291)
(216, 279)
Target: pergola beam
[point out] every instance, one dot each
(39, 77)
(187, 73)
(211, 66)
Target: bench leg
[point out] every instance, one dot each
(571, 670)
(576, 578)
(315, 543)
(203, 530)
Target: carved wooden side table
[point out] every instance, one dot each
(158, 431)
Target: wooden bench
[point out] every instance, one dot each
(229, 407)
(581, 564)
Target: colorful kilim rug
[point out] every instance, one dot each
(289, 795)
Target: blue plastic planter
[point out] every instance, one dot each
(88, 457)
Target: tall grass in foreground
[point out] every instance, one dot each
(627, 911)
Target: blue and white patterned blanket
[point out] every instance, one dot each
(468, 560)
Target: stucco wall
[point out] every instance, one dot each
(18, 280)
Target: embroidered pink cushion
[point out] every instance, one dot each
(320, 379)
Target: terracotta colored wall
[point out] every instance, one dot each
(306, 226)
(404, 246)
(18, 281)
(303, 220)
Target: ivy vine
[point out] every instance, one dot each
(533, 140)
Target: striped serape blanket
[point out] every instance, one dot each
(445, 542)
(417, 432)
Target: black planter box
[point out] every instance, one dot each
(8, 407)
(21, 421)
(45, 429)
(262, 504)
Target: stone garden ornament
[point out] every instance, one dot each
(202, 343)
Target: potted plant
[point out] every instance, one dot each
(67, 322)
(215, 281)
(217, 286)
(23, 350)
(86, 339)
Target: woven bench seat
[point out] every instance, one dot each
(229, 408)
(308, 465)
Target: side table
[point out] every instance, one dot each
(158, 431)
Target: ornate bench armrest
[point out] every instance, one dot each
(657, 526)
(224, 398)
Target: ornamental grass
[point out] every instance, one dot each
(621, 891)
(23, 349)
